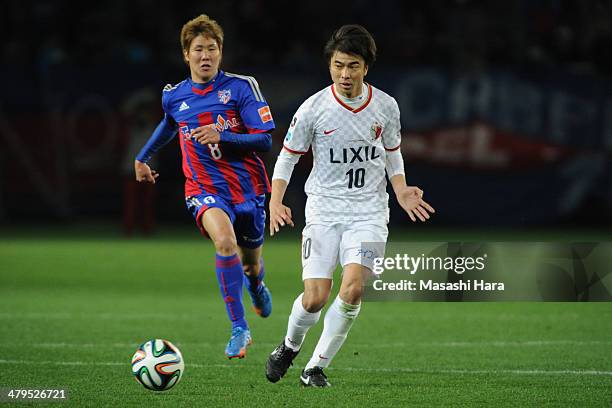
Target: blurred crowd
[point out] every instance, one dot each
(462, 34)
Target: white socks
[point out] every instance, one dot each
(336, 325)
(300, 320)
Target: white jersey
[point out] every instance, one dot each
(347, 181)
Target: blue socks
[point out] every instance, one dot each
(230, 277)
(253, 283)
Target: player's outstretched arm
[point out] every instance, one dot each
(280, 214)
(411, 199)
(144, 172)
(163, 133)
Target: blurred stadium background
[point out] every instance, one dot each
(506, 107)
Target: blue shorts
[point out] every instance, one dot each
(248, 218)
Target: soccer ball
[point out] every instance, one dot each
(158, 365)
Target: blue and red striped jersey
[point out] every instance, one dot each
(229, 102)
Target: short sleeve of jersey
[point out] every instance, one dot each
(301, 132)
(392, 132)
(254, 109)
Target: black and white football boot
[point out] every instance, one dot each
(279, 362)
(314, 377)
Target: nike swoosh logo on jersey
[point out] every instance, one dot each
(329, 132)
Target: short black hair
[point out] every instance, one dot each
(351, 39)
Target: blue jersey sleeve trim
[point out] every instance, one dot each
(163, 133)
(258, 142)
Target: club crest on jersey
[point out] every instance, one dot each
(224, 95)
(376, 130)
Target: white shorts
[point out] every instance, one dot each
(354, 242)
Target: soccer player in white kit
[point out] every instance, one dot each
(354, 132)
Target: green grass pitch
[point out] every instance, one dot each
(73, 310)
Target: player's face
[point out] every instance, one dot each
(347, 72)
(203, 56)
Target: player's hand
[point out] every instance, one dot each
(144, 173)
(280, 215)
(411, 200)
(206, 135)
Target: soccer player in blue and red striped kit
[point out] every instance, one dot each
(222, 119)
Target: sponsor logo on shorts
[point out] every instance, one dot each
(248, 239)
(365, 253)
(193, 202)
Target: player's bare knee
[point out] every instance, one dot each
(313, 302)
(226, 245)
(312, 305)
(351, 293)
(251, 269)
